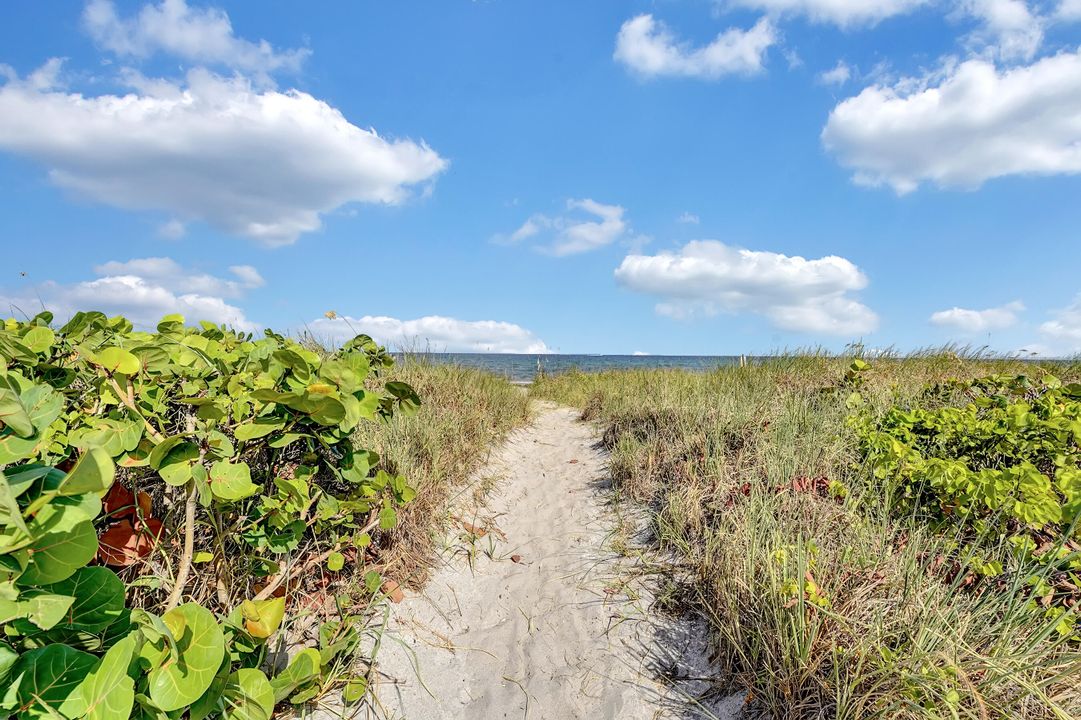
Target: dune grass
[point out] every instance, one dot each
(823, 606)
(464, 414)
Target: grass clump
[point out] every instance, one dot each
(829, 594)
(466, 412)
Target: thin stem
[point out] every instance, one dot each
(189, 549)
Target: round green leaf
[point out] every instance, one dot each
(248, 696)
(63, 541)
(99, 599)
(231, 481)
(200, 646)
(51, 681)
(39, 339)
(118, 360)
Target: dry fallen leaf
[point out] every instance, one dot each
(471, 528)
(392, 590)
(516, 558)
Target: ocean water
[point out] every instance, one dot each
(523, 368)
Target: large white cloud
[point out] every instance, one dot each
(811, 296)
(650, 49)
(172, 27)
(839, 12)
(571, 234)
(434, 333)
(974, 322)
(257, 163)
(972, 123)
(143, 290)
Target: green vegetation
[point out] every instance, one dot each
(895, 539)
(161, 492)
(466, 412)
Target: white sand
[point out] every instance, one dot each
(552, 637)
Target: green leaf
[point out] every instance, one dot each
(231, 481)
(355, 689)
(108, 693)
(98, 598)
(174, 459)
(118, 360)
(303, 668)
(200, 647)
(63, 541)
(387, 518)
(93, 473)
(335, 562)
(248, 696)
(52, 676)
(39, 339)
(258, 428)
(44, 609)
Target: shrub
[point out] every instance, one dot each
(195, 467)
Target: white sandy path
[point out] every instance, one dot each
(541, 638)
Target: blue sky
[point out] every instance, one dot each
(669, 177)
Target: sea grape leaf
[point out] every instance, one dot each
(263, 617)
(200, 647)
(108, 693)
(248, 695)
(63, 541)
(258, 428)
(93, 473)
(98, 598)
(118, 360)
(231, 481)
(44, 609)
(39, 339)
(51, 681)
(303, 668)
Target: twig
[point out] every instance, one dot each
(189, 549)
(128, 398)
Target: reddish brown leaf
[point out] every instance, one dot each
(516, 558)
(392, 590)
(144, 503)
(118, 502)
(123, 544)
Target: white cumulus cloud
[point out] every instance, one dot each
(204, 36)
(649, 48)
(974, 322)
(971, 124)
(434, 332)
(794, 293)
(256, 163)
(143, 290)
(845, 13)
(572, 233)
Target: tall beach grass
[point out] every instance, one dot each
(822, 605)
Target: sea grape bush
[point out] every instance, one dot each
(184, 460)
(998, 460)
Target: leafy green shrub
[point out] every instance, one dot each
(996, 459)
(188, 459)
